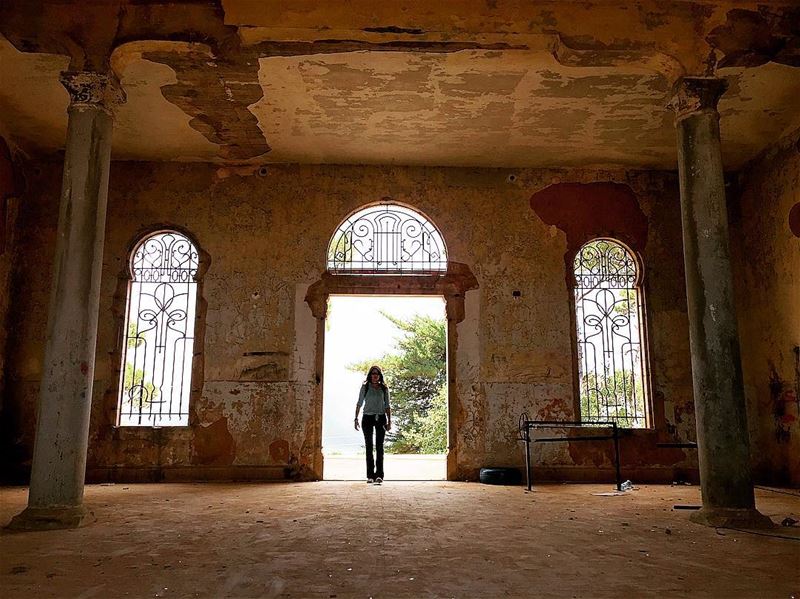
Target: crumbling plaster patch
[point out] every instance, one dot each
(252, 411)
(463, 108)
(147, 125)
(217, 94)
(676, 30)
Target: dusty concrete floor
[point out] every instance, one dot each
(431, 539)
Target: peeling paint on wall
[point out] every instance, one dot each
(254, 412)
(214, 444)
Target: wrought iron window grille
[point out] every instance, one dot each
(608, 314)
(387, 239)
(155, 381)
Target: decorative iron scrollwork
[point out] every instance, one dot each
(387, 239)
(159, 332)
(608, 315)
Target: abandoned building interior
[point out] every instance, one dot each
(604, 194)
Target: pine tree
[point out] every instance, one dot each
(416, 376)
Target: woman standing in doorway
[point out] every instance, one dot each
(374, 396)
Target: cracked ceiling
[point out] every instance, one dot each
(461, 83)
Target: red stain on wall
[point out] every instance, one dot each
(554, 409)
(279, 451)
(214, 444)
(584, 453)
(794, 220)
(647, 454)
(585, 211)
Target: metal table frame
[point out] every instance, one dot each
(525, 426)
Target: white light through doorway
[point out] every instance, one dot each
(356, 331)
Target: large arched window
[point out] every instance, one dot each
(387, 238)
(610, 328)
(155, 382)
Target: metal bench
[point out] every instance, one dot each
(526, 424)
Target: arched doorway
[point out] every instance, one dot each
(384, 249)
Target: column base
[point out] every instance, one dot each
(51, 518)
(721, 517)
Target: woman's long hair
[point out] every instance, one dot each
(372, 369)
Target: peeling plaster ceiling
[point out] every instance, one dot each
(519, 96)
(147, 126)
(33, 104)
(474, 107)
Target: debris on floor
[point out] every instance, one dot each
(789, 521)
(624, 488)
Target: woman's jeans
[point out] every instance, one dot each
(370, 422)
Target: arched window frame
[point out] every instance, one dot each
(647, 419)
(339, 245)
(192, 362)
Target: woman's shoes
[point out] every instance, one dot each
(370, 481)
(378, 480)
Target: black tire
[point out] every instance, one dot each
(501, 476)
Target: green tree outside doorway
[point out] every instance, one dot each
(417, 377)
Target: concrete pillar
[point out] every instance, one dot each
(59, 459)
(722, 435)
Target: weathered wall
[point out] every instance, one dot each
(265, 236)
(10, 188)
(766, 249)
(6, 185)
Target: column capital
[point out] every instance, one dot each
(693, 94)
(88, 88)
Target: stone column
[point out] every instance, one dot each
(59, 458)
(722, 435)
